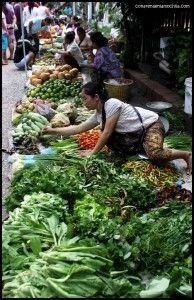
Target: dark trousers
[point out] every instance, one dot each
(34, 38)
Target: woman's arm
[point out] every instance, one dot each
(47, 11)
(70, 130)
(108, 130)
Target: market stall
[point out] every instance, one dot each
(88, 227)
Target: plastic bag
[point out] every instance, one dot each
(60, 120)
(44, 109)
(68, 109)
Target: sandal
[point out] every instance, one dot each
(4, 62)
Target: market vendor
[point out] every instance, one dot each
(71, 54)
(38, 24)
(30, 53)
(105, 60)
(125, 129)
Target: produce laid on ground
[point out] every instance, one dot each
(102, 226)
(60, 72)
(46, 60)
(55, 90)
(160, 176)
(30, 127)
(61, 214)
(88, 140)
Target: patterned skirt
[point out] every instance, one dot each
(153, 143)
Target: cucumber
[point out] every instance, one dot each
(39, 124)
(35, 127)
(26, 127)
(38, 118)
(17, 134)
(44, 120)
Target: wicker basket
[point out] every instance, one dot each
(121, 90)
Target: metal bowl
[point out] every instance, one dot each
(158, 106)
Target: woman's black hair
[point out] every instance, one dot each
(30, 6)
(81, 29)
(70, 36)
(93, 88)
(49, 20)
(75, 18)
(98, 38)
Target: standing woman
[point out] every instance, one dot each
(31, 12)
(43, 10)
(4, 40)
(11, 23)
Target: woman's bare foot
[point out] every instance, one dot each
(189, 163)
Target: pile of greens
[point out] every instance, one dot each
(85, 227)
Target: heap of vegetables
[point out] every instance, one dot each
(55, 90)
(88, 140)
(31, 126)
(158, 176)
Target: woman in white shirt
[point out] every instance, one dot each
(43, 10)
(120, 123)
(30, 12)
(83, 40)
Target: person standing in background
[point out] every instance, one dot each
(11, 23)
(43, 10)
(4, 40)
(68, 10)
(39, 24)
(31, 12)
(16, 7)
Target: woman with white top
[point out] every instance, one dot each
(43, 10)
(30, 12)
(120, 123)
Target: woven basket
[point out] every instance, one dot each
(121, 90)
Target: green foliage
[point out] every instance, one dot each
(176, 120)
(179, 52)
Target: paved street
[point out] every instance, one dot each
(13, 82)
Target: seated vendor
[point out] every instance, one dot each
(105, 60)
(72, 54)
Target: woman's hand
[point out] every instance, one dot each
(47, 130)
(85, 153)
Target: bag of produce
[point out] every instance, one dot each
(60, 120)
(68, 109)
(44, 110)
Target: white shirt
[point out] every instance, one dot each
(3, 19)
(75, 52)
(85, 43)
(42, 11)
(128, 120)
(27, 16)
